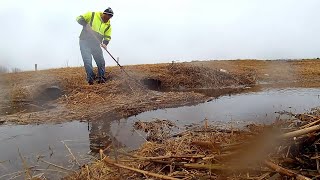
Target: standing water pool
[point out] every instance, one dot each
(231, 110)
(40, 145)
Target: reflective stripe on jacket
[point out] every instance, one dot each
(101, 30)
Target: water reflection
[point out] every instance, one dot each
(237, 110)
(43, 142)
(86, 138)
(100, 136)
(48, 143)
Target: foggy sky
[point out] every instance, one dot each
(46, 32)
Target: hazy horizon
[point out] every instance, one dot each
(146, 32)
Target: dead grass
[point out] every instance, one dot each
(205, 152)
(124, 96)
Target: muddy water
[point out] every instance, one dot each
(252, 105)
(44, 142)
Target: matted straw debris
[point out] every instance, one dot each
(285, 149)
(124, 94)
(157, 130)
(177, 76)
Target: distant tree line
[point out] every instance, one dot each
(4, 69)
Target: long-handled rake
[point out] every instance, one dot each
(121, 67)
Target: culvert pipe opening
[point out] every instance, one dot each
(152, 84)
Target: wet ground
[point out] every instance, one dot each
(46, 142)
(39, 103)
(23, 107)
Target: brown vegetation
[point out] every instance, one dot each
(123, 96)
(286, 148)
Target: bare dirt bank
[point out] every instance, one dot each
(122, 96)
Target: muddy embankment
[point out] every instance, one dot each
(58, 95)
(62, 94)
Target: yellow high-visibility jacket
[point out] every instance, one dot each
(101, 30)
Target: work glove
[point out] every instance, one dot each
(106, 42)
(82, 22)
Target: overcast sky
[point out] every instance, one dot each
(145, 31)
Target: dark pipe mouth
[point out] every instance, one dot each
(37, 104)
(152, 84)
(49, 94)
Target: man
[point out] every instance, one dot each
(96, 32)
